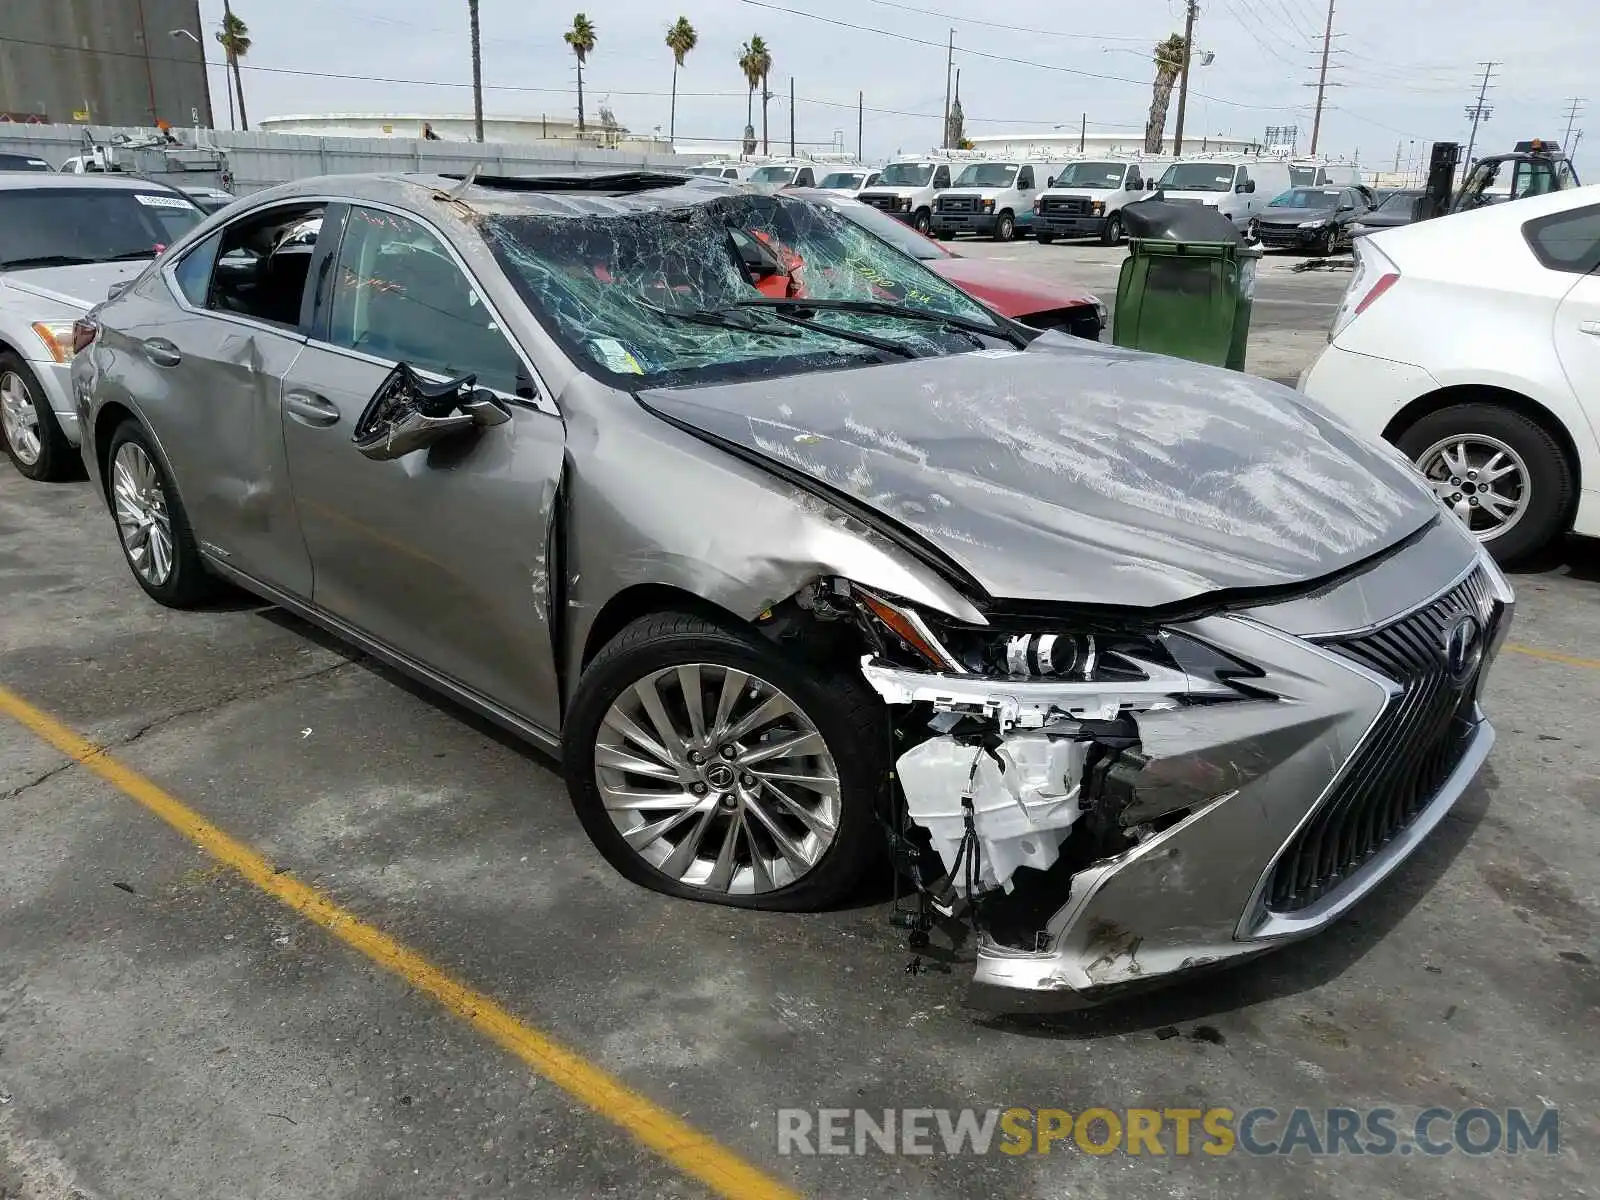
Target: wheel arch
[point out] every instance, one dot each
(642, 600)
(1448, 397)
(106, 423)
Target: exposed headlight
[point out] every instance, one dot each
(57, 338)
(1100, 311)
(1317, 224)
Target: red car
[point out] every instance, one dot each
(1021, 295)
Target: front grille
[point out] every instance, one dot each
(886, 203)
(955, 204)
(1409, 753)
(1278, 237)
(1065, 206)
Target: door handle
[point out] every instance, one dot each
(311, 409)
(162, 352)
(1590, 327)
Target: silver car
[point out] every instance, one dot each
(1132, 665)
(63, 242)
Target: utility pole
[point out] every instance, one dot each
(1322, 80)
(1083, 132)
(1191, 10)
(949, 65)
(1573, 109)
(791, 116)
(1397, 148)
(861, 112)
(1478, 112)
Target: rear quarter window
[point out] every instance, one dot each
(1568, 241)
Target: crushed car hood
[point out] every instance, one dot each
(1081, 473)
(81, 287)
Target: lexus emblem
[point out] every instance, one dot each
(1463, 647)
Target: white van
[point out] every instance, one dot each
(906, 188)
(775, 176)
(1315, 174)
(993, 197)
(1237, 188)
(1086, 198)
(849, 181)
(732, 172)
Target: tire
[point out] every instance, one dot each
(146, 508)
(846, 715)
(1111, 234)
(1327, 243)
(923, 221)
(1541, 478)
(1005, 227)
(33, 440)
(1044, 237)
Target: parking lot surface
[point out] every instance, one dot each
(367, 991)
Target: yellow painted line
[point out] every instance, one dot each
(691, 1151)
(1551, 656)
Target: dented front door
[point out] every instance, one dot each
(440, 554)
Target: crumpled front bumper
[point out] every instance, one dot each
(1271, 841)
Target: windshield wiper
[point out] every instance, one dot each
(46, 260)
(884, 308)
(127, 256)
(719, 319)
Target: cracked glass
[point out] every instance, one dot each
(675, 295)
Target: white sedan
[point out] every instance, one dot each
(1472, 343)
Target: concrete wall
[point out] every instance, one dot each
(258, 160)
(114, 59)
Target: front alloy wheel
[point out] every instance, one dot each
(20, 419)
(28, 429)
(706, 763)
(717, 779)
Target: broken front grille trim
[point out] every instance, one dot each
(1410, 753)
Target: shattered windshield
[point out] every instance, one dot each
(997, 175)
(675, 296)
(906, 175)
(1097, 175)
(1198, 177)
(897, 233)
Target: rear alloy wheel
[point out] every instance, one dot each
(1327, 243)
(1499, 471)
(151, 523)
(33, 440)
(1005, 227)
(705, 764)
(1111, 235)
(923, 221)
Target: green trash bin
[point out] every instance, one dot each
(1187, 299)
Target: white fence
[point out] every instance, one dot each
(259, 160)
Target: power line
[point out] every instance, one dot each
(502, 87)
(1007, 26)
(1256, 37)
(1004, 58)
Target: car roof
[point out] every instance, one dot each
(33, 180)
(563, 194)
(1437, 246)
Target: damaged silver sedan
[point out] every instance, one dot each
(808, 564)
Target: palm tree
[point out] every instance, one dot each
(1169, 56)
(234, 37)
(581, 37)
(755, 60)
(681, 38)
(477, 72)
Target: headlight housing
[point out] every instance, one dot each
(988, 204)
(1097, 208)
(905, 204)
(57, 338)
(1317, 224)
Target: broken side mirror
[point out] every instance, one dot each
(407, 413)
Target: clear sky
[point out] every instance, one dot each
(1406, 68)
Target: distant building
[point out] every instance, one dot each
(1097, 141)
(458, 127)
(103, 62)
